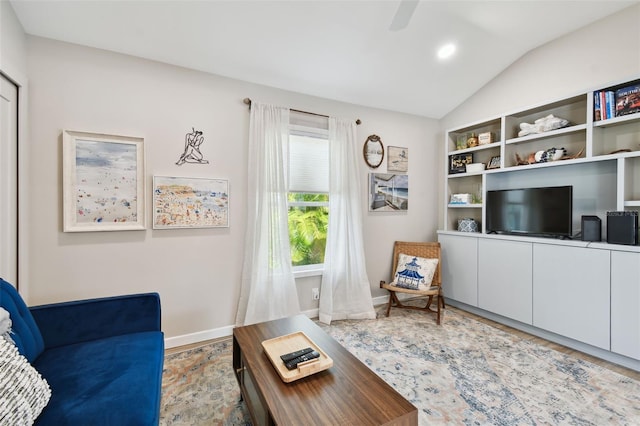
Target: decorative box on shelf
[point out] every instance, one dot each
(468, 225)
(485, 138)
(460, 199)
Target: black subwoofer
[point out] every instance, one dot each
(591, 228)
(622, 227)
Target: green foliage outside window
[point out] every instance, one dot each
(308, 227)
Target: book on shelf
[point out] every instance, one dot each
(611, 103)
(597, 110)
(604, 104)
(627, 100)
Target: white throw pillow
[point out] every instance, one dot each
(414, 273)
(23, 391)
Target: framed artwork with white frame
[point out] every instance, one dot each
(397, 159)
(103, 182)
(186, 202)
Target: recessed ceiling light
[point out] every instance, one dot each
(446, 51)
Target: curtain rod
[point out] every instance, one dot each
(248, 102)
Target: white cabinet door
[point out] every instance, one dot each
(571, 292)
(625, 303)
(460, 268)
(504, 278)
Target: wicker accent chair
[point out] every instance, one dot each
(428, 250)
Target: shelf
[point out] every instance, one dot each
(551, 164)
(549, 134)
(464, 206)
(605, 175)
(616, 121)
(462, 175)
(476, 148)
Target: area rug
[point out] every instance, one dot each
(464, 372)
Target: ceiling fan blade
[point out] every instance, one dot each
(403, 14)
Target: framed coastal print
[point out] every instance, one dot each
(103, 182)
(388, 192)
(185, 202)
(397, 159)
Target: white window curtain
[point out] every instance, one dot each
(345, 289)
(268, 288)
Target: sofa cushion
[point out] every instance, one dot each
(112, 381)
(23, 391)
(25, 332)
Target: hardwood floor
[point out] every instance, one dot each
(540, 341)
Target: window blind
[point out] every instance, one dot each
(308, 163)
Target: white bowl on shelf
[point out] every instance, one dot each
(475, 167)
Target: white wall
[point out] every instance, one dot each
(196, 272)
(603, 52)
(12, 42)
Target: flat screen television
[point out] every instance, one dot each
(543, 212)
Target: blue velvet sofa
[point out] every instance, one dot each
(103, 358)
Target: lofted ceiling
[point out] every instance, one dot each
(342, 50)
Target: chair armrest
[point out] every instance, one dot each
(84, 320)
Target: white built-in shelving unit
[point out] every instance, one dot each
(610, 148)
(582, 294)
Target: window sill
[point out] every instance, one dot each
(308, 271)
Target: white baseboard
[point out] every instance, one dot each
(201, 336)
(227, 331)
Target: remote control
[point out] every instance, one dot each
(293, 355)
(307, 357)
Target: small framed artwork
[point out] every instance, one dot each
(103, 182)
(388, 192)
(458, 163)
(397, 159)
(181, 202)
(494, 163)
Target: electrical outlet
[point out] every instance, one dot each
(315, 293)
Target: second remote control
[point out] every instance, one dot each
(293, 355)
(307, 357)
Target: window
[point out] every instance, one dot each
(308, 196)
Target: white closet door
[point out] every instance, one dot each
(8, 181)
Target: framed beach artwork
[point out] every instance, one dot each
(184, 202)
(388, 192)
(397, 159)
(103, 182)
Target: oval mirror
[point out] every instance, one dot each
(373, 151)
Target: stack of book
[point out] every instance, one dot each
(609, 103)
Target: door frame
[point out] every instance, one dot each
(20, 80)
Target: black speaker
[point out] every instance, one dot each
(622, 228)
(591, 228)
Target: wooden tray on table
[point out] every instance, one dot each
(290, 343)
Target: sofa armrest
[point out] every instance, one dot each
(84, 320)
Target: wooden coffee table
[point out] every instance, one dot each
(348, 393)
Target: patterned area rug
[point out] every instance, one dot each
(464, 372)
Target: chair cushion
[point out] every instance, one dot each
(23, 391)
(414, 273)
(122, 373)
